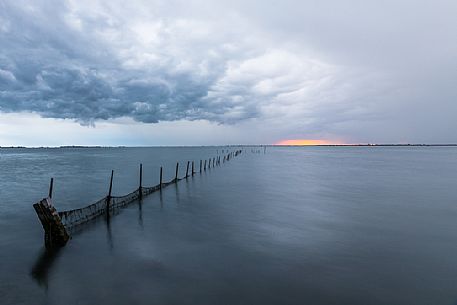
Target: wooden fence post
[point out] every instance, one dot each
(51, 185)
(108, 199)
(55, 234)
(140, 189)
(161, 175)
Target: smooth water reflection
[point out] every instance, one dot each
(293, 226)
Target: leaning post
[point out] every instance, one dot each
(140, 189)
(161, 176)
(187, 169)
(108, 199)
(51, 185)
(193, 168)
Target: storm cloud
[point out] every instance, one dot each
(347, 69)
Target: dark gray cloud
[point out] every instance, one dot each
(358, 70)
(50, 68)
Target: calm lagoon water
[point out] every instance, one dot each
(313, 225)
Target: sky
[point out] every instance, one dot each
(171, 72)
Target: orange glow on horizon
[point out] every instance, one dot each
(300, 142)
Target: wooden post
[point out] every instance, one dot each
(200, 166)
(204, 167)
(111, 184)
(193, 168)
(51, 185)
(187, 169)
(176, 174)
(55, 234)
(161, 175)
(213, 162)
(108, 199)
(140, 189)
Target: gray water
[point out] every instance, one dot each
(313, 225)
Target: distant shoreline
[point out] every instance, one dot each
(235, 145)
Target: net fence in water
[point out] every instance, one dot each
(79, 216)
(72, 218)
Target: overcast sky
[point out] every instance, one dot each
(173, 72)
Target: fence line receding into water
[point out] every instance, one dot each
(57, 225)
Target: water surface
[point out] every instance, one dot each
(314, 225)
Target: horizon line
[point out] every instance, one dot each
(228, 145)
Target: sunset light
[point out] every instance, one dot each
(301, 142)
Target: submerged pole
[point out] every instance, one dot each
(200, 166)
(140, 189)
(187, 169)
(111, 184)
(176, 174)
(108, 199)
(51, 185)
(193, 168)
(161, 172)
(204, 167)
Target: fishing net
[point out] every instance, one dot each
(75, 217)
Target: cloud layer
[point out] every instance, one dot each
(356, 70)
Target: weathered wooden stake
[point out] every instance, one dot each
(200, 166)
(204, 167)
(213, 162)
(187, 169)
(108, 199)
(176, 174)
(193, 173)
(55, 234)
(140, 189)
(161, 175)
(111, 184)
(51, 185)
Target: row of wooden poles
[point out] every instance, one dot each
(215, 161)
(55, 231)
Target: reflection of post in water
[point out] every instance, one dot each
(161, 199)
(177, 193)
(140, 214)
(108, 231)
(43, 265)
